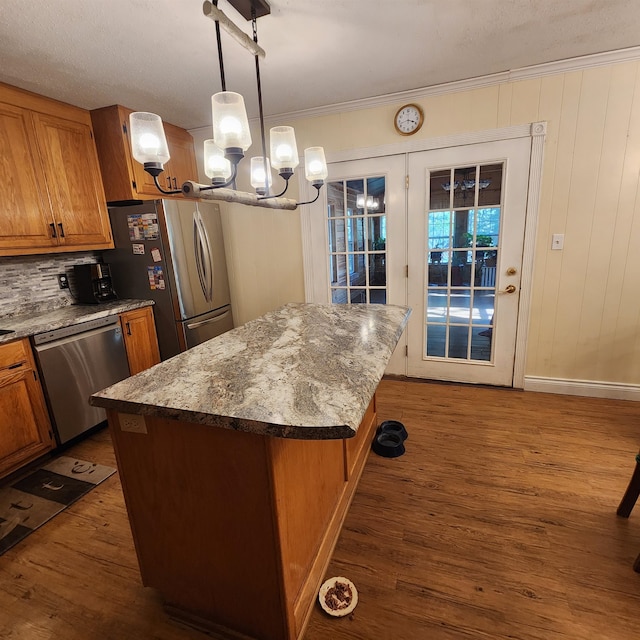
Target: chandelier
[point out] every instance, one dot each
(466, 184)
(231, 135)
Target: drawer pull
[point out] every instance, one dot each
(53, 230)
(15, 365)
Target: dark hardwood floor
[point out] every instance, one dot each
(498, 522)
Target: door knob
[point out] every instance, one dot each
(510, 288)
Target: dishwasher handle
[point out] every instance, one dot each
(81, 335)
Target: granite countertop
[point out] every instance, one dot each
(304, 371)
(27, 325)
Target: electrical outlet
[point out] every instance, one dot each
(132, 422)
(63, 281)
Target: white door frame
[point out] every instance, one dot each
(536, 130)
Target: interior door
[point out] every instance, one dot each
(466, 217)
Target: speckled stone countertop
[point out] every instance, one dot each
(27, 325)
(303, 371)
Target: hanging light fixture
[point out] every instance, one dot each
(231, 135)
(466, 184)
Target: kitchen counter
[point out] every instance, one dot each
(24, 326)
(303, 371)
(234, 527)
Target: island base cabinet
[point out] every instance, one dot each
(234, 529)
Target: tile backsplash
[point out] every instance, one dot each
(30, 283)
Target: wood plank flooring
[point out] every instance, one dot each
(498, 522)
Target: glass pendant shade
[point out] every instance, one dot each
(230, 123)
(259, 175)
(284, 151)
(315, 165)
(370, 202)
(148, 142)
(216, 166)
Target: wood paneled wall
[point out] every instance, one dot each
(585, 322)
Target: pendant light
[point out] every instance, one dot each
(232, 137)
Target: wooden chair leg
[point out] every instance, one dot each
(631, 494)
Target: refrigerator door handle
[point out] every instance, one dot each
(202, 249)
(195, 325)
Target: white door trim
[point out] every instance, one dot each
(537, 131)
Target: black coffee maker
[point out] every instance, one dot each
(91, 283)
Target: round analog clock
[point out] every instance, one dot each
(408, 119)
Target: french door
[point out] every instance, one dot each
(466, 220)
(356, 238)
(441, 231)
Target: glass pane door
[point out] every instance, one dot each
(357, 233)
(461, 253)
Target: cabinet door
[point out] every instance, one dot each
(25, 215)
(25, 430)
(73, 180)
(140, 339)
(182, 165)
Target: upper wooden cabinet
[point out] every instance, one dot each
(51, 195)
(123, 177)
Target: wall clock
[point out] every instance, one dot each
(408, 119)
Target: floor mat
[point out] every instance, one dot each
(29, 502)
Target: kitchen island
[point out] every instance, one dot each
(239, 459)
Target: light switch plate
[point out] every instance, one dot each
(557, 241)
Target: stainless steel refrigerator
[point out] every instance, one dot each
(172, 252)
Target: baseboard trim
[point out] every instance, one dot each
(590, 388)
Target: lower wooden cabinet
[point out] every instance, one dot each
(25, 430)
(140, 339)
(234, 529)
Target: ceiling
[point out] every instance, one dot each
(160, 55)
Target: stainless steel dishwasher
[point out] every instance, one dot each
(74, 363)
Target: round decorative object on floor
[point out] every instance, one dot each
(338, 596)
(388, 445)
(393, 426)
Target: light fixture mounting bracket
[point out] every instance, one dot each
(243, 7)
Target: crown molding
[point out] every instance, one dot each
(523, 73)
(630, 54)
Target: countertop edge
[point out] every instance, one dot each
(256, 427)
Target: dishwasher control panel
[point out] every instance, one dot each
(74, 329)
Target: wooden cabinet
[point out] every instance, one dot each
(51, 195)
(261, 514)
(25, 430)
(140, 339)
(123, 177)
